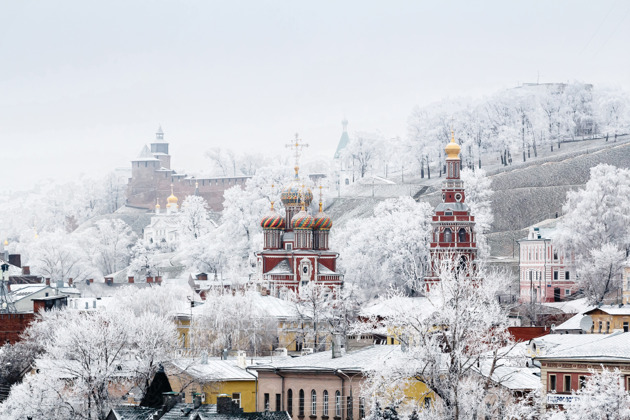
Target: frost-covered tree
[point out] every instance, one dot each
(39, 396)
(478, 189)
(60, 256)
(459, 327)
(595, 229)
(232, 245)
(143, 260)
(193, 221)
(94, 353)
(109, 243)
(363, 149)
(391, 247)
(233, 321)
(604, 396)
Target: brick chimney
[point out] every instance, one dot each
(130, 279)
(47, 281)
(26, 270)
(149, 279)
(202, 276)
(70, 281)
(109, 281)
(158, 279)
(91, 280)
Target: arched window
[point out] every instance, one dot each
(448, 235)
(436, 235)
(347, 181)
(290, 402)
(337, 404)
(462, 235)
(301, 403)
(313, 403)
(325, 403)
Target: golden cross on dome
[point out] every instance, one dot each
(302, 196)
(272, 195)
(298, 146)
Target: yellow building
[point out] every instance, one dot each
(609, 318)
(213, 377)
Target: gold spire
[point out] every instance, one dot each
(157, 203)
(302, 197)
(6, 242)
(320, 198)
(297, 145)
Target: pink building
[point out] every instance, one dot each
(546, 275)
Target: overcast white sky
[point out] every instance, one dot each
(84, 84)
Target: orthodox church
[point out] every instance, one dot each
(163, 228)
(296, 245)
(452, 223)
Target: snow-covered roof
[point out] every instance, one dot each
(361, 360)
(605, 347)
(515, 378)
(283, 267)
(29, 290)
(145, 155)
(570, 306)
(572, 323)
(611, 309)
(549, 343)
(322, 269)
(213, 370)
(398, 305)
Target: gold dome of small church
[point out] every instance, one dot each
(452, 149)
(171, 200)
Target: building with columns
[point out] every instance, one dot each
(452, 223)
(296, 245)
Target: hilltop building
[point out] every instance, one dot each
(546, 275)
(453, 225)
(152, 179)
(296, 250)
(344, 166)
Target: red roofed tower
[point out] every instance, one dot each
(453, 225)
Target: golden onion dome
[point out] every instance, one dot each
(171, 198)
(452, 149)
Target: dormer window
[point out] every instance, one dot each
(448, 213)
(448, 235)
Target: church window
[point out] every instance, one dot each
(458, 197)
(555, 255)
(462, 235)
(290, 402)
(436, 235)
(448, 235)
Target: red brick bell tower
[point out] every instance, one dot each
(453, 225)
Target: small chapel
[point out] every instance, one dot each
(453, 225)
(296, 244)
